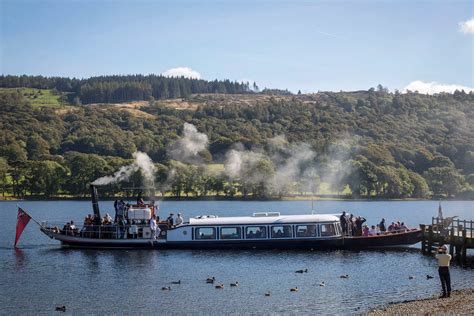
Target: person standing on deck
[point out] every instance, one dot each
(343, 220)
(443, 269)
(382, 226)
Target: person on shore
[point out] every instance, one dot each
(443, 270)
(343, 221)
(382, 226)
(179, 219)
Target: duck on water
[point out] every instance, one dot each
(266, 230)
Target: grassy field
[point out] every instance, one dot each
(40, 97)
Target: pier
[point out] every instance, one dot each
(457, 234)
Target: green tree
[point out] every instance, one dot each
(420, 186)
(444, 181)
(84, 169)
(37, 148)
(45, 177)
(4, 169)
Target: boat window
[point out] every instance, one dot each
(281, 231)
(205, 233)
(306, 231)
(255, 232)
(328, 230)
(230, 233)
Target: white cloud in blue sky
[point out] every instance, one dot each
(182, 72)
(467, 27)
(434, 87)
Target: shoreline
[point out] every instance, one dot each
(461, 302)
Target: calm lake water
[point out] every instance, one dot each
(41, 274)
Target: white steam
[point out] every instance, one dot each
(187, 148)
(142, 162)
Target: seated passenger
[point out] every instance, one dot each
(170, 220)
(372, 231)
(403, 228)
(67, 228)
(391, 227)
(107, 219)
(179, 220)
(365, 231)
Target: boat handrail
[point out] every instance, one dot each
(266, 214)
(107, 231)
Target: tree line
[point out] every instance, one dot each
(112, 89)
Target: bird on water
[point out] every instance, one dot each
(61, 308)
(210, 280)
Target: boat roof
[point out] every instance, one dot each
(260, 218)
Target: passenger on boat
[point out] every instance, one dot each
(359, 221)
(170, 220)
(365, 231)
(153, 227)
(140, 201)
(67, 228)
(391, 228)
(344, 224)
(179, 220)
(119, 210)
(351, 226)
(372, 231)
(107, 219)
(403, 228)
(382, 226)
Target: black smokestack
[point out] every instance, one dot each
(95, 201)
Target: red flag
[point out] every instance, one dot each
(21, 221)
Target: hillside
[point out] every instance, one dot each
(364, 143)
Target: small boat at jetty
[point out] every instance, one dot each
(264, 230)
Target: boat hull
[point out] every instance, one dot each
(381, 241)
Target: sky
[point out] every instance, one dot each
(297, 45)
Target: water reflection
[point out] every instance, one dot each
(19, 259)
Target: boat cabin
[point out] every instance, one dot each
(259, 226)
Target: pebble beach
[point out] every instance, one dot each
(461, 302)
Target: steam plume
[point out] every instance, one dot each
(142, 162)
(187, 148)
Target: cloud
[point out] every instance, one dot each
(182, 72)
(467, 27)
(434, 87)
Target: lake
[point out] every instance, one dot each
(41, 274)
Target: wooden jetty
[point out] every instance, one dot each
(457, 234)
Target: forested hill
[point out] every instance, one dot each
(377, 144)
(109, 89)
